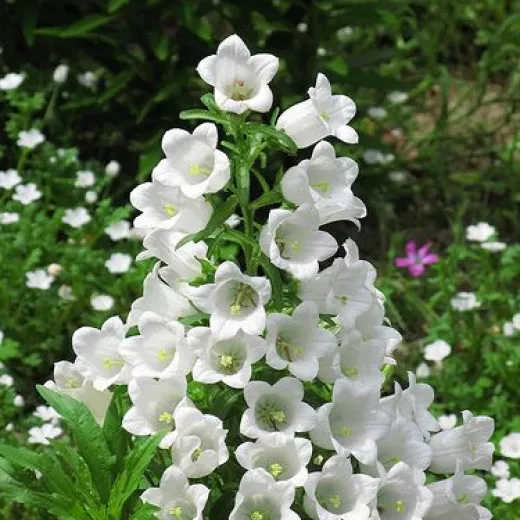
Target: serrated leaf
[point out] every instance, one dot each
(271, 197)
(79, 29)
(145, 512)
(197, 113)
(88, 435)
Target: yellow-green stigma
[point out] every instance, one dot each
(71, 383)
(245, 297)
(163, 355)
(463, 497)
(112, 362)
(322, 186)
(345, 431)
(400, 506)
(334, 501)
(325, 115)
(170, 210)
(197, 169)
(258, 515)
(276, 469)
(177, 512)
(166, 418)
(287, 350)
(351, 372)
(239, 91)
(196, 454)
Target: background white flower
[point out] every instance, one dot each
(102, 302)
(437, 351)
(397, 97)
(60, 73)
(510, 445)
(76, 217)
(480, 232)
(9, 179)
(465, 301)
(85, 179)
(87, 79)
(39, 279)
(11, 81)
(507, 490)
(118, 230)
(41, 434)
(7, 218)
(112, 169)
(118, 263)
(26, 193)
(30, 138)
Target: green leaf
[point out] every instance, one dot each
(281, 138)
(88, 435)
(197, 113)
(209, 101)
(117, 83)
(145, 512)
(29, 18)
(78, 29)
(338, 65)
(115, 5)
(115, 435)
(271, 197)
(276, 281)
(217, 219)
(134, 466)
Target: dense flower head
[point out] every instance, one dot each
(263, 370)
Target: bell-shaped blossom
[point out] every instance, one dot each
(9, 179)
(260, 497)
(198, 443)
(297, 342)
(465, 301)
(284, 458)
(154, 404)
(161, 299)
(276, 408)
(26, 193)
(293, 241)
(402, 495)
(458, 497)
(324, 181)
(240, 80)
(228, 360)
(322, 115)
(159, 350)
(183, 262)
(500, 469)
(99, 359)
(193, 162)
(175, 498)
(336, 493)
(354, 358)
(353, 421)
(467, 445)
(69, 381)
(168, 208)
(235, 301)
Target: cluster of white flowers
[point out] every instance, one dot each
(482, 233)
(506, 488)
(7, 381)
(331, 331)
(373, 156)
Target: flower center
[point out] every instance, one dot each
(177, 512)
(239, 90)
(287, 350)
(322, 186)
(272, 416)
(109, 363)
(287, 248)
(245, 298)
(166, 418)
(351, 372)
(163, 355)
(71, 383)
(258, 515)
(325, 116)
(197, 169)
(196, 454)
(169, 209)
(275, 469)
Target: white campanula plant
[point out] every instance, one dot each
(247, 381)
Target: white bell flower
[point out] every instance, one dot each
(182, 263)
(510, 446)
(167, 207)
(458, 497)
(9, 179)
(324, 181)
(235, 301)
(118, 230)
(99, 359)
(228, 360)
(68, 381)
(240, 80)
(193, 162)
(154, 404)
(283, 457)
(293, 242)
(175, 497)
(353, 422)
(322, 115)
(76, 217)
(297, 342)
(336, 493)
(402, 495)
(276, 408)
(260, 497)
(30, 138)
(160, 298)
(198, 442)
(159, 350)
(467, 445)
(26, 193)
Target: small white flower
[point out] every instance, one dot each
(480, 232)
(344, 33)
(293, 241)
(507, 490)
(91, 197)
(87, 79)
(322, 115)
(235, 301)
(18, 401)
(260, 497)
(11, 81)
(112, 169)
(198, 442)
(101, 302)
(193, 162)
(9, 427)
(41, 434)
(325, 181)
(336, 493)
(54, 269)
(240, 80)
(39, 279)
(494, 247)
(320, 51)
(76, 217)
(1, 341)
(26, 193)
(276, 408)
(99, 359)
(159, 350)
(423, 371)
(47, 414)
(516, 321)
(377, 112)
(437, 351)
(9, 179)
(176, 498)
(466, 445)
(500, 469)
(6, 380)
(283, 457)
(9, 218)
(510, 446)
(30, 138)
(398, 176)
(118, 230)
(302, 27)
(85, 179)
(372, 156)
(397, 97)
(65, 292)
(447, 422)
(233, 221)
(60, 73)
(465, 301)
(118, 263)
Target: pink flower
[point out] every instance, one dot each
(416, 260)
